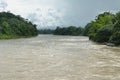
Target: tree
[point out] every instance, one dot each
(115, 38)
(100, 26)
(71, 30)
(12, 26)
(104, 34)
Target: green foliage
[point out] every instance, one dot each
(115, 38)
(71, 30)
(5, 36)
(45, 31)
(105, 18)
(104, 34)
(92, 36)
(105, 28)
(87, 29)
(13, 25)
(101, 20)
(117, 16)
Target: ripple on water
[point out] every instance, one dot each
(58, 58)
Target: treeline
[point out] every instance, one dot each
(13, 26)
(45, 31)
(71, 30)
(105, 28)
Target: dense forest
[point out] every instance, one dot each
(14, 26)
(105, 28)
(45, 31)
(71, 30)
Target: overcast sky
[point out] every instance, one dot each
(52, 13)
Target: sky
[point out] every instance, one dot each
(52, 13)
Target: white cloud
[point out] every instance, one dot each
(47, 17)
(3, 5)
(60, 12)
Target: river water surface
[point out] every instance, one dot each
(49, 57)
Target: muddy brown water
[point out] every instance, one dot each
(49, 57)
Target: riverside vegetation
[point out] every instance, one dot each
(14, 26)
(104, 29)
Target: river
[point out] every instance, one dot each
(49, 57)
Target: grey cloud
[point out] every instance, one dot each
(52, 19)
(32, 17)
(3, 5)
(79, 12)
(75, 12)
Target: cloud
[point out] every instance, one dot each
(3, 5)
(47, 18)
(61, 12)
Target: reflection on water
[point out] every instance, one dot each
(49, 57)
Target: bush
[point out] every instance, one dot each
(92, 36)
(104, 34)
(115, 38)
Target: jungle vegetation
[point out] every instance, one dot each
(14, 26)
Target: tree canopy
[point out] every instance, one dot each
(71, 30)
(105, 28)
(12, 26)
